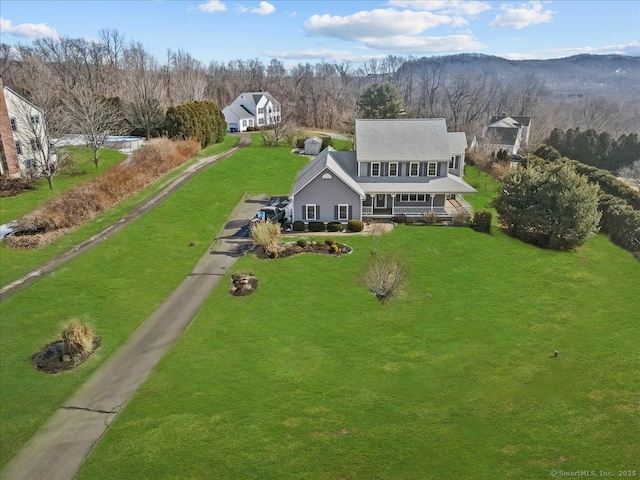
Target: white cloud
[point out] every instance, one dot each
(422, 45)
(212, 6)
(524, 15)
(27, 30)
(312, 53)
(374, 23)
(265, 8)
(453, 7)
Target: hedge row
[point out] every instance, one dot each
(608, 182)
(315, 226)
(621, 222)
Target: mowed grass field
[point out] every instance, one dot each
(119, 283)
(311, 377)
(14, 263)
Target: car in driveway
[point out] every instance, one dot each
(270, 214)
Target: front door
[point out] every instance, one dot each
(381, 201)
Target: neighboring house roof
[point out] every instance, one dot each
(415, 139)
(524, 121)
(255, 97)
(239, 111)
(330, 160)
(448, 184)
(457, 142)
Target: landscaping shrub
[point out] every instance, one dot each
(202, 121)
(266, 234)
(330, 241)
(481, 221)
(14, 186)
(78, 338)
(385, 277)
(430, 217)
(460, 218)
(302, 243)
(298, 226)
(334, 227)
(355, 225)
(549, 205)
(399, 218)
(316, 226)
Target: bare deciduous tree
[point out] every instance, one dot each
(92, 117)
(143, 94)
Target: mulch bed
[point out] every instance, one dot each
(289, 250)
(53, 359)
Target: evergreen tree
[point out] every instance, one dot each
(380, 100)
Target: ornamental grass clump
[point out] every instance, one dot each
(266, 234)
(79, 339)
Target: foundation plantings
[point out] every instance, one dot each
(78, 342)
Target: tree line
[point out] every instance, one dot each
(321, 95)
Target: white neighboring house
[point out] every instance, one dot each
(26, 147)
(252, 109)
(508, 133)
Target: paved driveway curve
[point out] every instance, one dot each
(59, 448)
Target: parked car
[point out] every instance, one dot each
(271, 214)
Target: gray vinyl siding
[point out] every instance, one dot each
(326, 194)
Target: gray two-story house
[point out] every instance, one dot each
(398, 166)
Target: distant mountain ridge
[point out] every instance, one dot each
(561, 75)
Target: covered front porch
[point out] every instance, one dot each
(387, 205)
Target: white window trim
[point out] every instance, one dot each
(396, 173)
(13, 121)
(18, 147)
(346, 211)
(429, 174)
(372, 164)
(306, 212)
(411, 174)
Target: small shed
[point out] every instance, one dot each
(312, 146)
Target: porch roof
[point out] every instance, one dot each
(448, 184)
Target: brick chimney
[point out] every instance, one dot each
(9, 165)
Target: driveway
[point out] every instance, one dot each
(59, 448)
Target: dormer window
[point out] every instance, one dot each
(375, 169)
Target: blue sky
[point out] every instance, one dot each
(310, 31)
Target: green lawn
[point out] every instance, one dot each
(14, 263)
(12, 208)
(311, 377)
(118, 284)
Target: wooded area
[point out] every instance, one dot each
(464, 89)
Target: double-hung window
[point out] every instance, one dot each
(18, 147)
(414, 169)
(311, 212)
(393, 169)
(432, 169)
(14, 124)
(375, 169)
(343, 212)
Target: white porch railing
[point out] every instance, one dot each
(451, 207)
